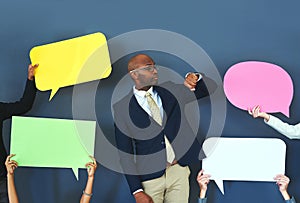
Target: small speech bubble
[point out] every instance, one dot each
(243, 159)
(252, 83)
(46, 142)
(71, 62)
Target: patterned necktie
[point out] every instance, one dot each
(157, 117)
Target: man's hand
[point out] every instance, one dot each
(191, 81)
(31, 70)
(142, 197)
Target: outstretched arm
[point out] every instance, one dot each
(25, 103)
(290, 131)
(88, 191)
(10, 167)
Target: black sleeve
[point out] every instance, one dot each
(23, 105)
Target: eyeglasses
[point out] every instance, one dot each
(149, 68)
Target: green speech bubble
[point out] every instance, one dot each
(47, 142)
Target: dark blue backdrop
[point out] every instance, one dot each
(229, 31)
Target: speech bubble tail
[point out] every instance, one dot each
(286, 112)
(53, 92)
(75, 171)
(220, 185)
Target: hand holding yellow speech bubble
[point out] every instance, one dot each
(71, 62)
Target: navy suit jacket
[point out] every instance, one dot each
(140, 139)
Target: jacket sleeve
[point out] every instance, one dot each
(21, 106)
(205, 87)
(126, 152)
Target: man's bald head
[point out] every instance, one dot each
(139, 61)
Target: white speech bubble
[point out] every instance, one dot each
(243, 159)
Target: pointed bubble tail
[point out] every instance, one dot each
(220, 185)
(53, 92)
(286, 111)
(75, 171)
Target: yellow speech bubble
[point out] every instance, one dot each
(69, 62)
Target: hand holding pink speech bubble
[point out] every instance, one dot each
(252, 83)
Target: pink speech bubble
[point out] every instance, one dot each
(252, 83)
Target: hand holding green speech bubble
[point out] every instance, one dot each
(70, 62)
(46, 142)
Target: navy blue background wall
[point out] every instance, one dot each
(229, 31)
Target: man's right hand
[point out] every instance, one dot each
(142, 197)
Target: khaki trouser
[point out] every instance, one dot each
(172, 187)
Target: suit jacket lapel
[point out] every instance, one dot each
(138, 114)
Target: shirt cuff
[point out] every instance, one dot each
(292, 200)
(139, 190)
(202, 200)
(271, 120)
